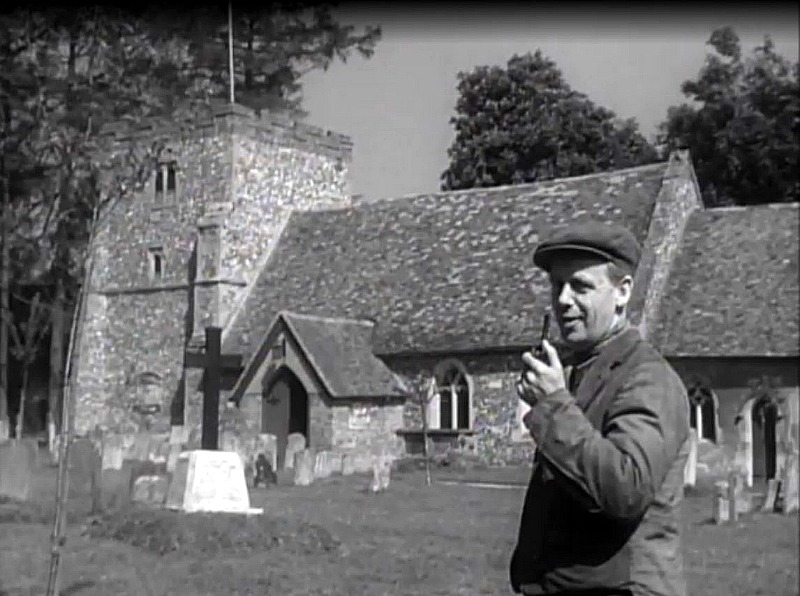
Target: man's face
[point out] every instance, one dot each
(584, 298)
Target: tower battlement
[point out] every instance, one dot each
(236, 118)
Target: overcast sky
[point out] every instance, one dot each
(396, 106)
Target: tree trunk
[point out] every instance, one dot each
(23, 397)
(425, 404)
(56, 367)
(5, 314)
(248, 61)
(425, 453)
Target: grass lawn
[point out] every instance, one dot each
(334, 538)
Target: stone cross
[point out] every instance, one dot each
(213, 363)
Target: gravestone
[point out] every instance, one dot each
(335, 462)
(304, 467)
(113, 453)
(327, 463)
(772, 494)
(295, 443)
(231, 441)
(268, 445)
(33, 445)
(150, 490)
(731, 499)
(381, 473)
(690, 471)
(141, 447)
(159, 450)
(177, 435)
(721, 512)
(175, 450)
(17, 463)
(85, 471)
(789, 483)
(734, 492)
(208, 480)
(116, 485)
(744, 498)
(356, 462)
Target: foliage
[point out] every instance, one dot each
(66, 74)
(273, 48)
(524, 123)
(742, 124)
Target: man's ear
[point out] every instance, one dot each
(624, 290)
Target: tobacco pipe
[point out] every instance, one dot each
(538, 350)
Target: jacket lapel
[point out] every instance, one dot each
(602, 369)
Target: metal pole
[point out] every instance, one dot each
(58, 539)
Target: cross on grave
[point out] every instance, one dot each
(214, 364)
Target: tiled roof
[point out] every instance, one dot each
(733, 289)
(340, 351)
(443, 272)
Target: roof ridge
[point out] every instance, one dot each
(392, 199)
(365, 322)
(737, 208)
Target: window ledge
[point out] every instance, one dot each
(440, 432)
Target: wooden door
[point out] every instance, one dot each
(275, 415)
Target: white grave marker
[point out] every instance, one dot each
(209, 481)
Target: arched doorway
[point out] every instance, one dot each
(765, 419)
(284, 410)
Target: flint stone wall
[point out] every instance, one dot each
(497, 436)
(137, 326)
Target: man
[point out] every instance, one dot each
(602, 512)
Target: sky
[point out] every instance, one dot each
(632, 59)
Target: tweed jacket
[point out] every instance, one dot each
(603, 507)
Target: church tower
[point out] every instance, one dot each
(181, 254)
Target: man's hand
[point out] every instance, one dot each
(540, 379)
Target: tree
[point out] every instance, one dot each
(66, 73)
(273, 48)
(524, 123)
(63, 74)
(742, 124)
(424, 392)
(26, 347)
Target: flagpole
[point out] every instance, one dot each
(230, 48)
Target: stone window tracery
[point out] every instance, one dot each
(450, 407)
(703, 411)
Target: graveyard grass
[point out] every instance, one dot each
(336, 538)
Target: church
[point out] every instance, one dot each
(352, 320)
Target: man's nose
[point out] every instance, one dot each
(564, 296)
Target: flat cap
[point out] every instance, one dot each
(612, 242)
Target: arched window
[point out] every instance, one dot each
(165, 182)
(451, 404)
(157, 263)
(703, 411)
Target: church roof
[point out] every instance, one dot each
(340, 351)
(733, 289)
(441, 272)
